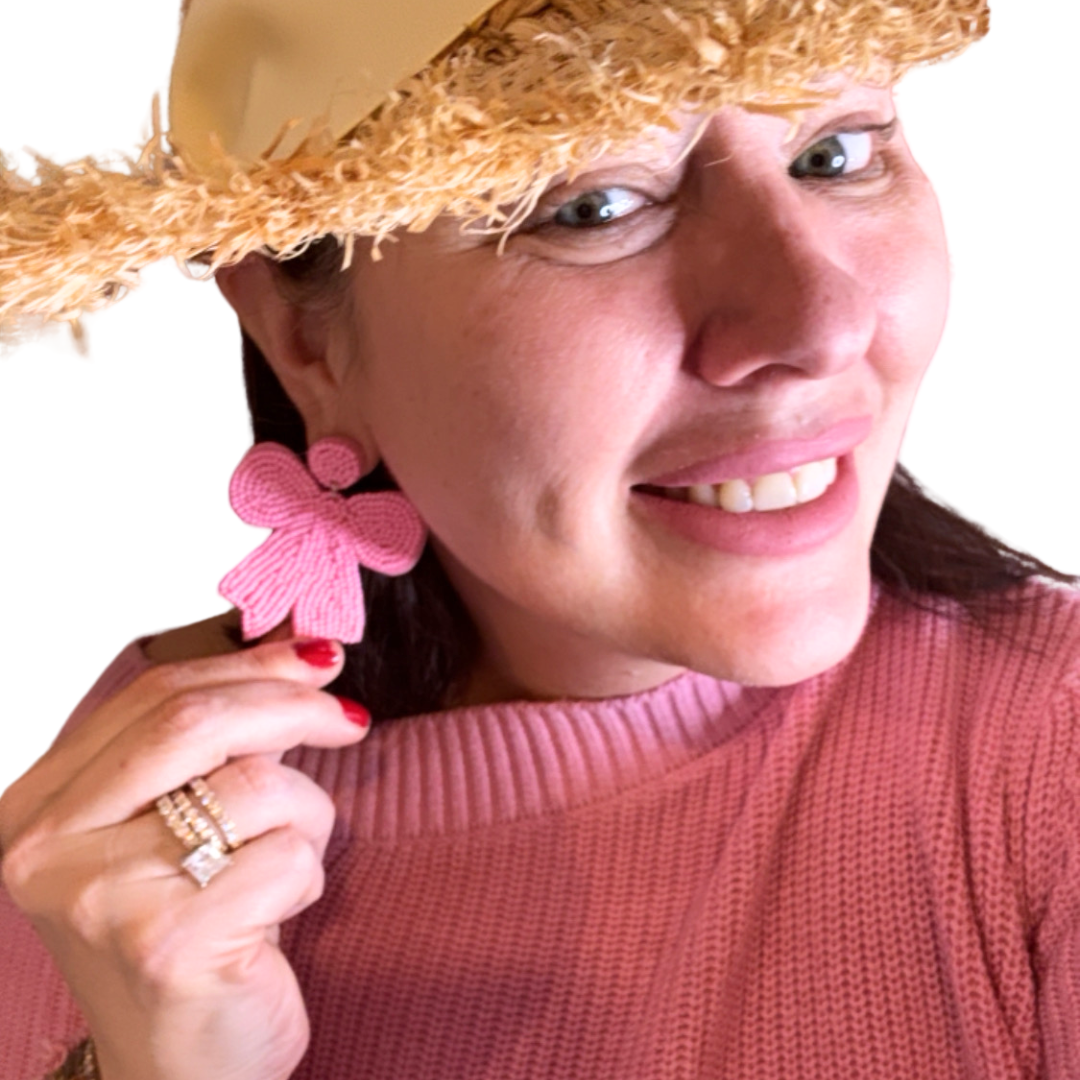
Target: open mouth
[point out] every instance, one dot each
(774, 491)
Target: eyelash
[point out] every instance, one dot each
(546, 218)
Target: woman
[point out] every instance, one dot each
(1009, 313)
(695, 793)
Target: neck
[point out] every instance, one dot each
(523, 657)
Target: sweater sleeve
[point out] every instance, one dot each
(1055, 864)
(39, 1021)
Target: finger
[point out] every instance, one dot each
(257, 795)
(151, 913)
(270, 880)
(194, 734)
(260, 795)
(313, 663)
(91, 880)
(306, 661)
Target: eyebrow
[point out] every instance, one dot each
(888, 129)
(801, 132)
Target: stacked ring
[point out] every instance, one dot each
(198, 823)
(201, 790)
(208, 838)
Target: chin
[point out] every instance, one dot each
(782, 640)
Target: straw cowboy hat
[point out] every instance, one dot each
(291, 121)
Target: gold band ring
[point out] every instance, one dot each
(212, 804)
(207, 838)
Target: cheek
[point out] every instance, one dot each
(911, 274)
(503, 403)
(906, 262)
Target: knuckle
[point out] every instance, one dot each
(52, 893)
(320, 881)
(19, 869)
(152, 951)
(259, 778)
(85, 910)
(190, 716)
(313, 805)
(297, 852)
(325, 815)
(163, 680)
(316, 885)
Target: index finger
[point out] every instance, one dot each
(192, 734)
(310, 663)
(303, 661)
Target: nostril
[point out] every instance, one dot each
(813, 325)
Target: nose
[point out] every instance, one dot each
(777, 294)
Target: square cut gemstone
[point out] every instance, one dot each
(206, 862)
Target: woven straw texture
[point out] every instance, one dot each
(533, 91)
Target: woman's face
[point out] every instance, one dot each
(670, 327)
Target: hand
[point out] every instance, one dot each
(179, 983)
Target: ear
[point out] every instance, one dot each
(302, 343)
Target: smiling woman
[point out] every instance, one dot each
(740, 317)
(705, 743)
(1010, 312)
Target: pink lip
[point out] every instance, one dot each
(773, 533)
(780, 455)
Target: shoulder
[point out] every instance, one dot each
(993, 702)
(999, 680)
(1026, 639)
(986, 698)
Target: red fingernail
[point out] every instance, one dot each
(355, 712)
(318, 652)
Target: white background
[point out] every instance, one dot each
(115, 467)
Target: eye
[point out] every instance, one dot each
(600, 207)
(837, 155)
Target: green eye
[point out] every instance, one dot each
(597, 208)
(838, 155)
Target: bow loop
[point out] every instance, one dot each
(271, 487)
(307, 566)
(387, 531)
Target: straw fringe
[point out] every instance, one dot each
(532, 91)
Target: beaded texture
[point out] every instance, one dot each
(308, 565)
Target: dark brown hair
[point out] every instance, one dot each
(420, 642)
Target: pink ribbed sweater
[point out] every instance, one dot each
(874, 874)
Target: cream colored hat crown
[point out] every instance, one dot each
(246, 69)
(293, 120)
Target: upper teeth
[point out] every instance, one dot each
(775, 491)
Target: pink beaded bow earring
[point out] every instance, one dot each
(308, 565)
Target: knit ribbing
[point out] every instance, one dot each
(472, 768)
(874, 874)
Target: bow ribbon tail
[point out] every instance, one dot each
(331, 602)
(264, 586)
